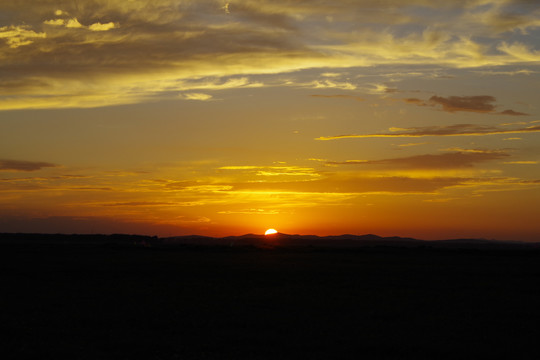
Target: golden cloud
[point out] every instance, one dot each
(89, 54)
(451, 130)
(196, 96)
(16, 36)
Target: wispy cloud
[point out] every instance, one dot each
(339, 96)
(250, 212)
(274, 170)
(332, 84)
(63, 54)
(412, 144)
(19, 35)
(453, 160)
(196, 96)
(140, 203)
(355, 184)
(523, 162)
(451, 130)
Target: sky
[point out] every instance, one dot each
(412, 118)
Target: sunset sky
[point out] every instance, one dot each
(413, 118)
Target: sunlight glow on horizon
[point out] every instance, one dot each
(239, 115)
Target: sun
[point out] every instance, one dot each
(270, 232)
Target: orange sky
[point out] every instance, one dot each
(411, 118)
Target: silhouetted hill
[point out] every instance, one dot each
(278, 240)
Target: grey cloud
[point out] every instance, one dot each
(18, 165)
(513, 113)
(482, 103)
(479, 104)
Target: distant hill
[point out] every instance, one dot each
(339, 241)
(278, 240)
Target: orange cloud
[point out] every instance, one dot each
(340, 96)
(355, 184)
(428, 161)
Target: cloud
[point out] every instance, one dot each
(102, 27)
(412, 144)
(415, 101)
(250, 212)
(274, 170)
(481, 104)
(330, 84)
(16, 36)
(508, 73)
(513, 113)
(196, 96)
(18, 165)
(355, 184)
(340, 96)
(185, 41)
(140, 203)
(501, 17)
(453, 160)
(451, 130)
(75, 24)
(520, 51)
(55, 22)
(522, 162)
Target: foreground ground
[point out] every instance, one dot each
(120, 302)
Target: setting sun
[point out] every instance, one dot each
(270, 232)
(309, 78)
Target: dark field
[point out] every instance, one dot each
(120, 302)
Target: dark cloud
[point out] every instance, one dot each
(513, 113)
(415, 101)
(451, 130)
(18, 165)
(484, 104)
(481, 104)
(452, 160)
